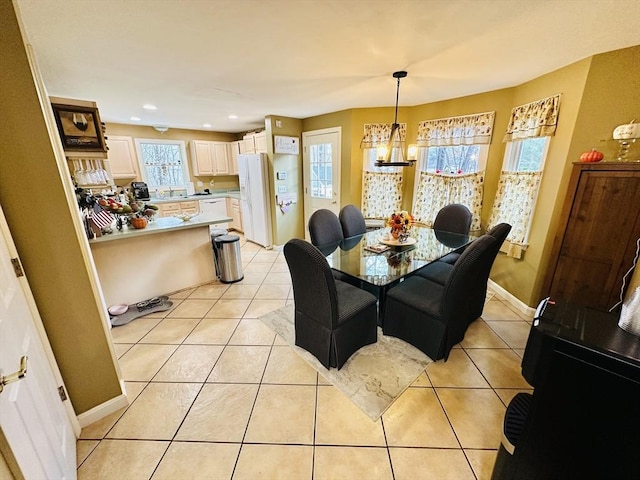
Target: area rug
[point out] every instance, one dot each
(373, 378)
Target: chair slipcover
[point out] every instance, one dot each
(434, 317)
(439, 271)
(455, 218)
(352, 221)
(332, 318)
(324, 228)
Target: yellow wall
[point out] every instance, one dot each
(598, 93)
(38, 201)
(290, 224)
(142, 131)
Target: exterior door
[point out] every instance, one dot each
(33, 417)
(321, 171)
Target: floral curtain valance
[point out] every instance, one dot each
(465, 130)
(535, 119)
(378, 134)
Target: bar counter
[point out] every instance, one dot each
(166, 256)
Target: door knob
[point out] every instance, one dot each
(15, 376)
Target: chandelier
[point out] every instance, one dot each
(384, 151)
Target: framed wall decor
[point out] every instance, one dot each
(79, 127)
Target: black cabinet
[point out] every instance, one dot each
(583, 420)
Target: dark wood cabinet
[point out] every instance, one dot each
(596, 241)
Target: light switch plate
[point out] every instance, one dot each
(282, 175)
(282, 189)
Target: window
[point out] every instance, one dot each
(526, 155)
(458, 159)
(370, 158)
(321, 168)
(164, 163)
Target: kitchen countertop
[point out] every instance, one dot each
(191, 198)
(162, 225)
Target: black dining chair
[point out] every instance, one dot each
(454, 218)
(352, 221)
(324, 227)
(332, 318)
(434, 317)
(440, 271)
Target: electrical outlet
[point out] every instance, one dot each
(200, 184)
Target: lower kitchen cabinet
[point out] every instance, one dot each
(173, 208)
(233, 210)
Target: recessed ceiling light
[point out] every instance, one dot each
(148, 106)
(135, 119)
(206, 125)
(233, 117)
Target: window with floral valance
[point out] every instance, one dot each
(527, 138)
(452, 153)
(381, 186)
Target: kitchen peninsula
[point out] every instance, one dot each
(166, 256)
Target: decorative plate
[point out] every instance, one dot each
(397, 243)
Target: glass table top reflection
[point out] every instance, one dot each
(352, 257)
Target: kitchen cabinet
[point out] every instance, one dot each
(260, 142)
(170, 209)
(122, 157)
(596, 241)
(234, 212)
(201, 160)
(209, 158)
(247, 145)
(254, 143)
(233, 152)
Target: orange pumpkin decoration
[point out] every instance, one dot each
(592, 156)
(139, 222)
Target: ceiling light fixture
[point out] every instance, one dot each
(148, 106)
(206, 125)
(160, 128)
(233, 117)
(384, 152)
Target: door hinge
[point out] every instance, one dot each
(62, 393)
(17, 268)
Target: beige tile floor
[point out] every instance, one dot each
(214, 394)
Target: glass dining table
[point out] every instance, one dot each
(359, 263)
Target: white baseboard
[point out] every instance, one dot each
(102, 410)
(511, 300)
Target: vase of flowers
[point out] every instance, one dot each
(400, 222)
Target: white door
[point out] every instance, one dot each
(33, 417)
(321, 171)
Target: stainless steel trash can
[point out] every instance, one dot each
(216, 232)
(226, 249)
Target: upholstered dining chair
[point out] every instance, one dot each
(440, 271)
(333, 319)
(352, 221)
(434, 317)
(324, 227)
(454, 218)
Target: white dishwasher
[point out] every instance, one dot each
(215, 207)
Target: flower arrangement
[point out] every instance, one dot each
(400, 223)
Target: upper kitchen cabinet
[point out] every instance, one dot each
(122, 157)
(260, 141)
(254, 143)
(233, 152)
(209, 158)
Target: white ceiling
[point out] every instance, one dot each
(199, 61)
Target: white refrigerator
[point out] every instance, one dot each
(255, 199)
